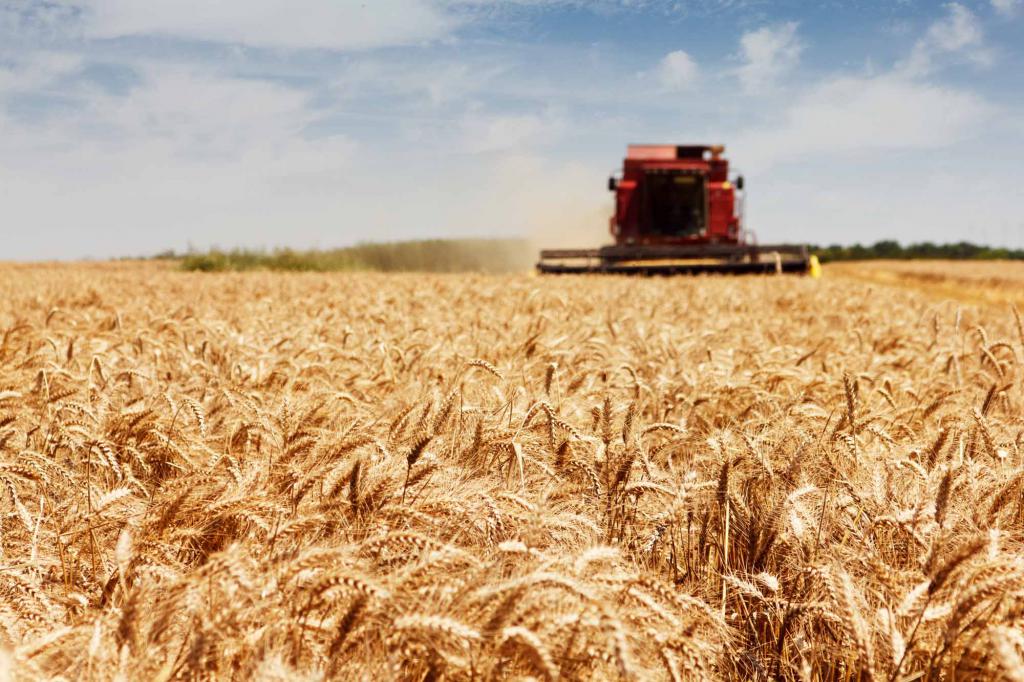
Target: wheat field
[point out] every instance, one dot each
(468, 477)
(986, 283)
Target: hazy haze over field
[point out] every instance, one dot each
(130, 127)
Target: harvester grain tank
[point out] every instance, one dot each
(677, 211)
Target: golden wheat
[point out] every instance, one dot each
(350, 476)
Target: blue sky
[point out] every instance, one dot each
(128, 127)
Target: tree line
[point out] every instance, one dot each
(893, 250)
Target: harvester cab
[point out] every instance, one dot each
(677, 211)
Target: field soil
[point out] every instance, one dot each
(356, 476)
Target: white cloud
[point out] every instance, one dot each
(36, 70)
(957, 33)
(294, 24)
(184, 156)
(189, 156)
(866, 115)
(959, 29)
(677, 71)
(881, 154)
(330, 24)
(768, 53)
(488, 132)
(1007, 8)
(907, 200)
(25, 18)
(288, 24)
(436, 81)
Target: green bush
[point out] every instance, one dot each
(433, 255)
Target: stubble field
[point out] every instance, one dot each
(363, 476)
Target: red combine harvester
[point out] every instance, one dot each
(677, 212)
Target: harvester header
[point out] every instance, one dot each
(678, 211)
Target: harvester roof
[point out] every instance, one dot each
(672, 152)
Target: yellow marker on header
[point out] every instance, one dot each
(814, 267)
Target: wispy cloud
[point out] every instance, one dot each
(957, 34)
(306, 24)
(869, 152)
(898, 108)
(296, 25)
(37, 71)
(184, 152)
(1007, 8)
(435, 81)
(768, 53)
(490, 132)
(866, 115)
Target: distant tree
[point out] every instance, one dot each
(887, 249)
(894, 250)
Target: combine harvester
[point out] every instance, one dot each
(677, 212)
